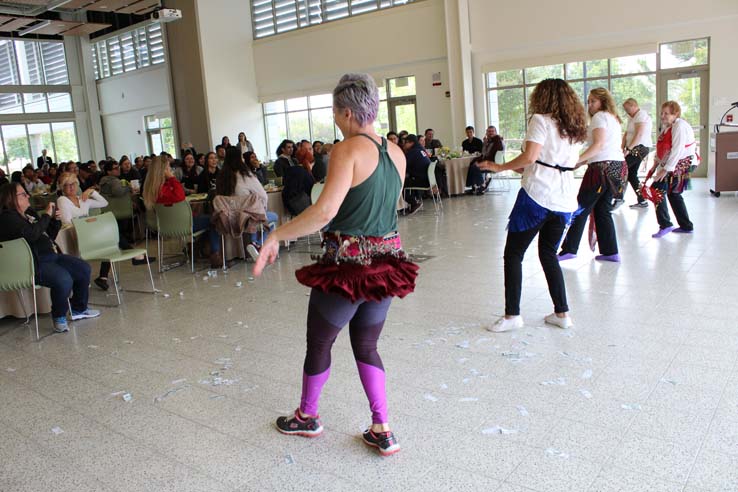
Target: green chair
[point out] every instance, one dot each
(175, 221)
(122, 208)
(17, 272)
(97, 238)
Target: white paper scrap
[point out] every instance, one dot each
(498, 430)
(430, 397)
(587, 374)
(468, 399)
(522, 410)
(585, 393)
(57, 430)
(463, 345)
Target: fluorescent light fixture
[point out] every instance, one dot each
(30, 29)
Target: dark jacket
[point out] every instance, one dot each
(206, 181)
(41, 161)
(261, 174)
(491, 147)
(130, 175)
(39, 234)
(472, 147)
(281, 165)
(417, 162)
(320, 167)
(110, 186)
(298, 183)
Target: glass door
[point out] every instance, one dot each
(403, 115)
(689, 88)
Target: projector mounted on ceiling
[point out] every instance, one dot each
(166, 15)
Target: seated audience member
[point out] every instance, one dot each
(190, 174)
(431, 143)
(257, 168)
(417, 172)
(492, 144)
(72, 206)
(285, 158)
(200, 160)
(471, 144)
(138, 163)
(320, 167)
(162, 187)
(127, 171)
(421, 142)
(304, 155)
(63, 274)
(87, 179)
(298, 183)
(244, 145)
(392, 137)
(236, 179)
(207, 179)
(50, 176)
(145, 168)
(317, 147)
(225, 142)
(110, 184)
(43, 159)
(220, 152)
(31, 181)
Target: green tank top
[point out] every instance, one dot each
(370, 208)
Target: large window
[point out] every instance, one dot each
(34, 81)
(508, 91)
(23, 143)
(160, 134)
(128, 51)
(270, 17)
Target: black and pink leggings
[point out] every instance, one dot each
(327, 315)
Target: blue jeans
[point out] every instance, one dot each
(64, 274)
(202, 223)
(256, 236)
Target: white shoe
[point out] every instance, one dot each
(503, 324)
(565, 322)
(253, 252)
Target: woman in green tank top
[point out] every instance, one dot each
(363, 265)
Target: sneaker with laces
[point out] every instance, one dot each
(87, 313)
(300, 426)
(565, 322)
(503, 324)
(385, 442)
(253, 252)
(60, 324)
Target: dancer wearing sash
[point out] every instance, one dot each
(547, 200)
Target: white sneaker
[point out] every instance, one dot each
(503, 324)
(565, 322)
(253, 252)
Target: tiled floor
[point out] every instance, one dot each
(641, 395)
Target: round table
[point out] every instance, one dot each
(456, 171)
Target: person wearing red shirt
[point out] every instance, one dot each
(163, 187)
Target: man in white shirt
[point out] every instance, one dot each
(636, 145)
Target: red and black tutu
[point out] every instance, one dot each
(367, 268)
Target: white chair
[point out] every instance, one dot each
(433, 188)
(503, 184)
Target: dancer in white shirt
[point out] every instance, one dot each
(636, 145)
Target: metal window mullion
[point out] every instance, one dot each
(5, 153)
(28, 142)
(53, 143)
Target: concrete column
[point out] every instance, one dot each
(458, 45)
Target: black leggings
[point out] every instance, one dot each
(634, 163)
(601, 202)
(517, 243)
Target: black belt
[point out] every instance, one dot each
(555, 166)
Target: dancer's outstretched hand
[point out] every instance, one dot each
(267, 255)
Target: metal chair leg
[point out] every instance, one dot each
(158, 250)
(148, 264)
(35, 309)
(22, 300)
(222, 249)
(115, 281)
(192, 253)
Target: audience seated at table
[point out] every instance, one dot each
(431, 144)
(162, 187)
(63, 274)
(72, 206)
(320, 166)
(30, 180)
(471, 144)
(257, 168)
(236, 179)
(207, 179)
(190, 173)
(492, 144)
(416, 174)
(87, 178)
(48, 174)
(127, 171)
(298, 183)
(110, 184)
(285, 159)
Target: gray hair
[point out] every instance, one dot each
(358, 92)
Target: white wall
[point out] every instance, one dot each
(549, 30)
(407, 40)
(228, 72)
(124, 102)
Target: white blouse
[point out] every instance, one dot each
(683, 144)
(70, 211)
